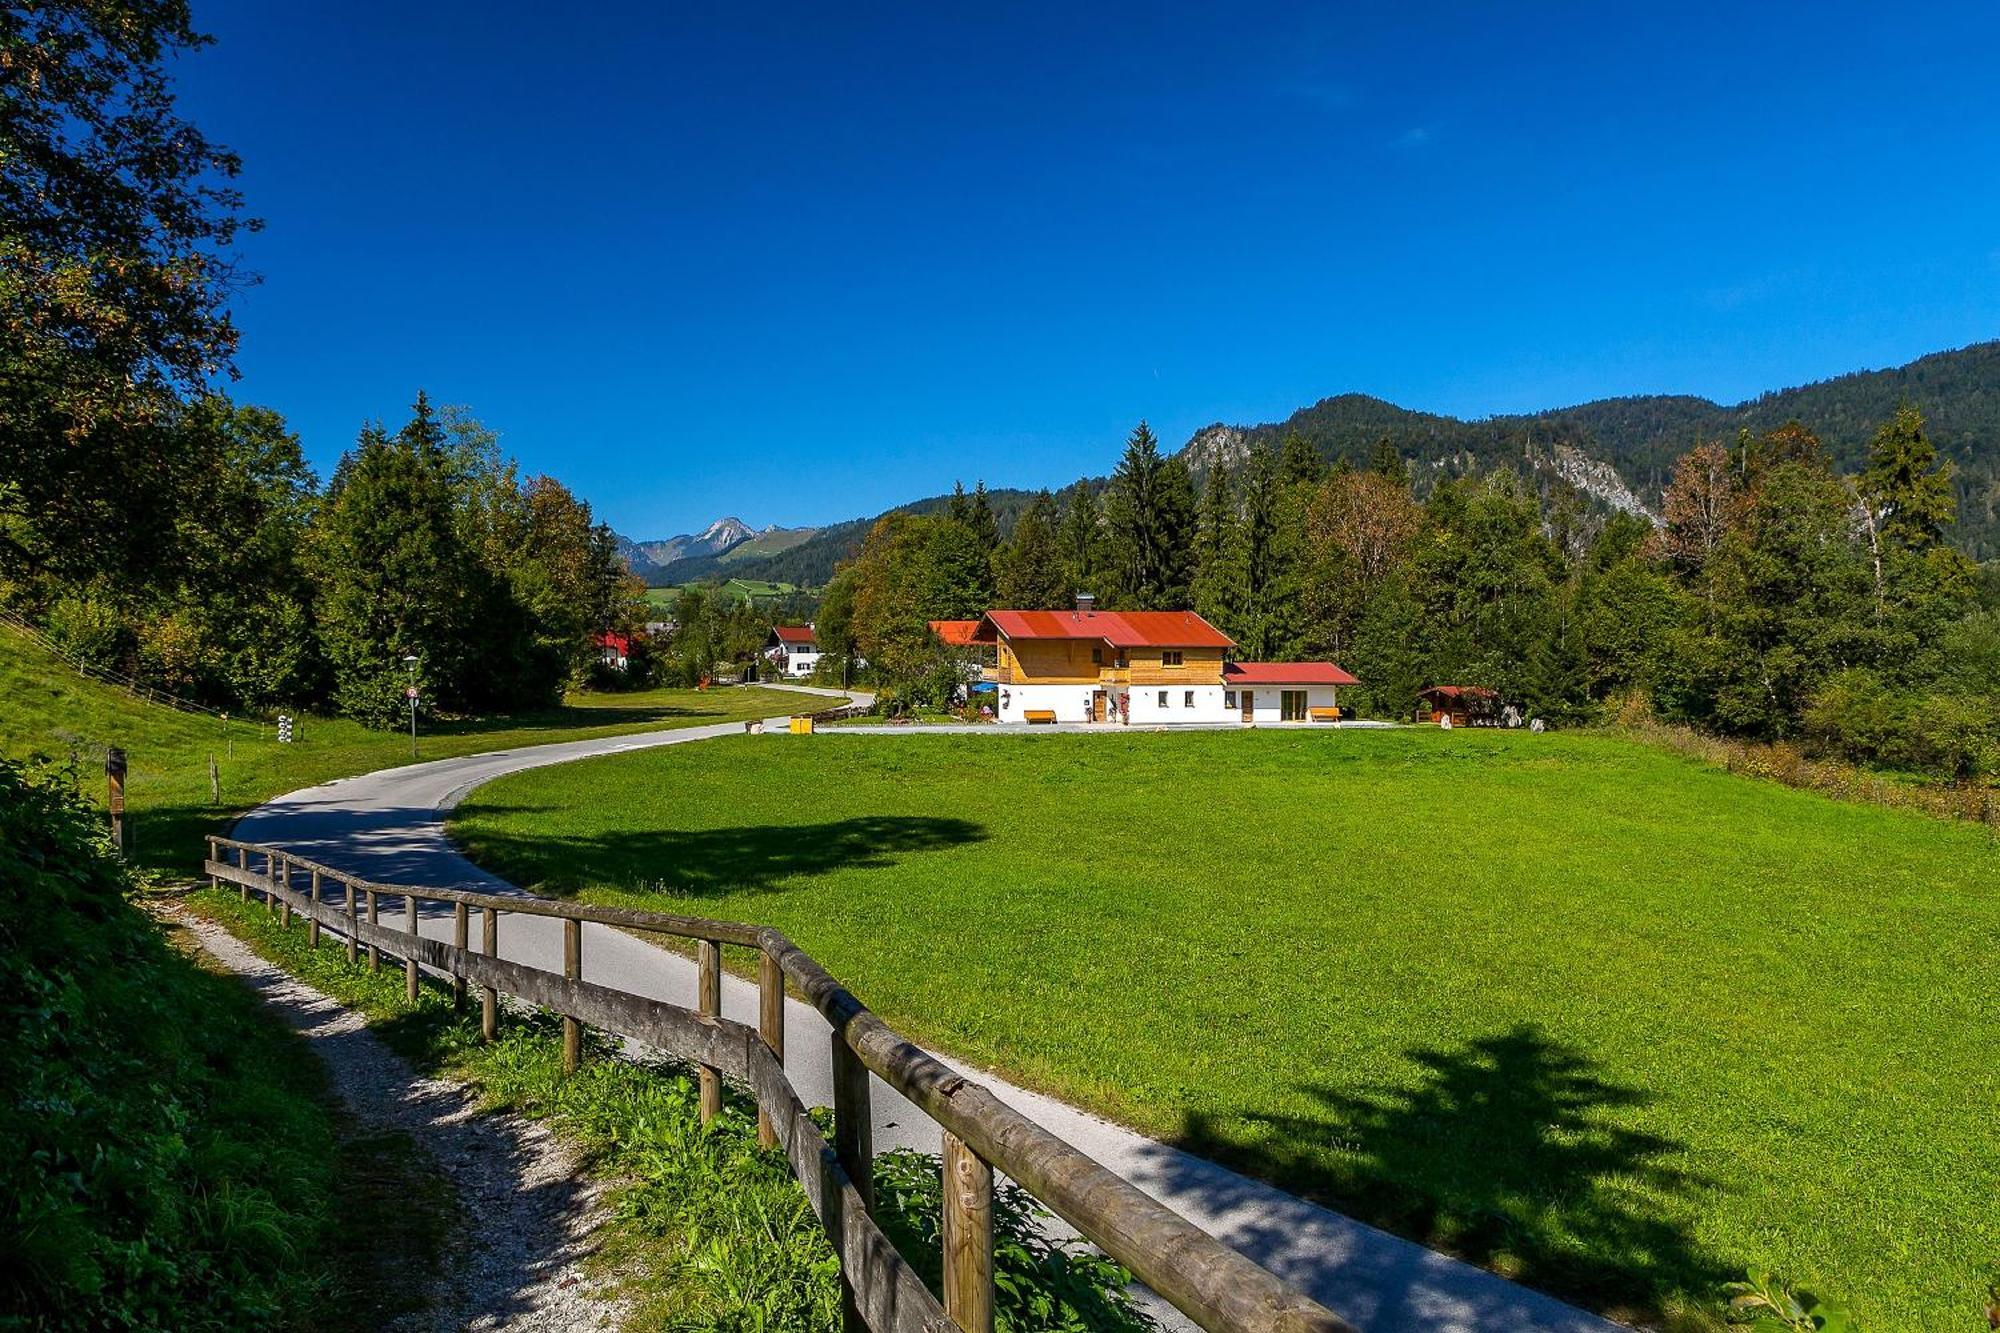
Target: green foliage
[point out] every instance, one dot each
(1040, 1285)
(1149, 512)
(166, 1156)
(1765, 1304)
(1031, 576)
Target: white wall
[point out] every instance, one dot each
(800, 664)
(1146, 709)
(1269, 703)
(1070, 703)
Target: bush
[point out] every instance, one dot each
(161, 1163)
(89, 628)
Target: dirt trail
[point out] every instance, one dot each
(529, 1217)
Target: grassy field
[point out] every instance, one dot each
(50, 710)
(1594, 1015)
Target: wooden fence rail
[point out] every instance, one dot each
(1220, 1289)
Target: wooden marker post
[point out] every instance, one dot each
(709, 996)
(489, 998)
(573, 969)
(114, 798)
(410, 954)
(458, 926)
(771, 1027)
(968, 1237)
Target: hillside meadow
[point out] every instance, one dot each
(1588, 1013)
(50, 711)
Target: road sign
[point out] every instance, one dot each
(410, 693)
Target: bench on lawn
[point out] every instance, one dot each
(1039, 715)
(1323, 714)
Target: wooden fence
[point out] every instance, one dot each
(1220, 1289)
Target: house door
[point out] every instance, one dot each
(1249, 705)
(1292, 705)
(1097, 706)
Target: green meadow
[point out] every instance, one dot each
(1593, 1015)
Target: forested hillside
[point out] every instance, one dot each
(1641, 436)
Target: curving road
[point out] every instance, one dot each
(388, 826)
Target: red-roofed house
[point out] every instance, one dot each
(793, 649)
(614, 650)
(1145, 667)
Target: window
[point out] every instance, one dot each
(1170, 657)
(1097, 657)
(1229, 698)
(1163, 698)
(1189, 701)
(1292, 706)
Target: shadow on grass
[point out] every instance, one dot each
(1507, 1152)
(704, 862)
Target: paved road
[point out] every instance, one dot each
(387, 826)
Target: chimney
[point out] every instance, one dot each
(1085, 603)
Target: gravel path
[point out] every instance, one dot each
(520, 1267)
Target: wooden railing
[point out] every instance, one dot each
(1220, 1289)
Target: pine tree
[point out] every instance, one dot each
(1031, 566)
(980, 519)
(1298, 462)
(1386, 461)
(1219, 579)
(1150, 507)
(1080, 542)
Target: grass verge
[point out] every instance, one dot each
(52, 711)
(708, 1231)
(1601, 1018)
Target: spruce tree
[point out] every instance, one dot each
(1031, 566)
(1081, 543)
(1219, 576)
(1298, 462)
(1150, 507)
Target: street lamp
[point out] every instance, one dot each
(411, 695)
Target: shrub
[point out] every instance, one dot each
(89, 628)
(161, 1163)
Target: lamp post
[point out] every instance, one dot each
(411, 695)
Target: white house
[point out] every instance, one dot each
(1283, 691)
(1150, 668)
(793, 649)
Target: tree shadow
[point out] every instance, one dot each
(702, 862)
(1507, 1152)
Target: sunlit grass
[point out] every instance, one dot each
(1588, 1013)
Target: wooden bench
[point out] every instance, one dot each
(1323, 714)
(1034, 716)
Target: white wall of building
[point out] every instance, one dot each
(1149, 711)
(1268, 702)
(1070, 703)
(799, 663)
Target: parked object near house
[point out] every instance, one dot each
(1284, 691)
(1148, 668)
(793, 649)
(1460, 705)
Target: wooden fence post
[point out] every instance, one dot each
(374, 918)
(853, 1135)
(489, 998)
(968, 1237)
(214, 854)
(243, 864)
(573, 969)
(114, 797)
(771, 1027)
(709, 1001)
(353, 922)
(410, 954)
(271, 883)
(312, 918)
(458, 923)
(281, 878)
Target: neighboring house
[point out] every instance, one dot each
(962, 636)
(614, 650)
(1284, 691)
(793, 649)
(1465, 705)
(1142, 667)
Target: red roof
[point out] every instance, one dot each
(619, 641)
(1120, 629)
(1285, 673)
(957, 633)
(793, 633)
(1459, 692)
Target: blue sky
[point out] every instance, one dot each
(799, 264)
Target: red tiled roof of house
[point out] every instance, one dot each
(1285, 673)
(1120, 629)
(1459, 692)
(957, 633)
(793, 633)
(621, 642)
